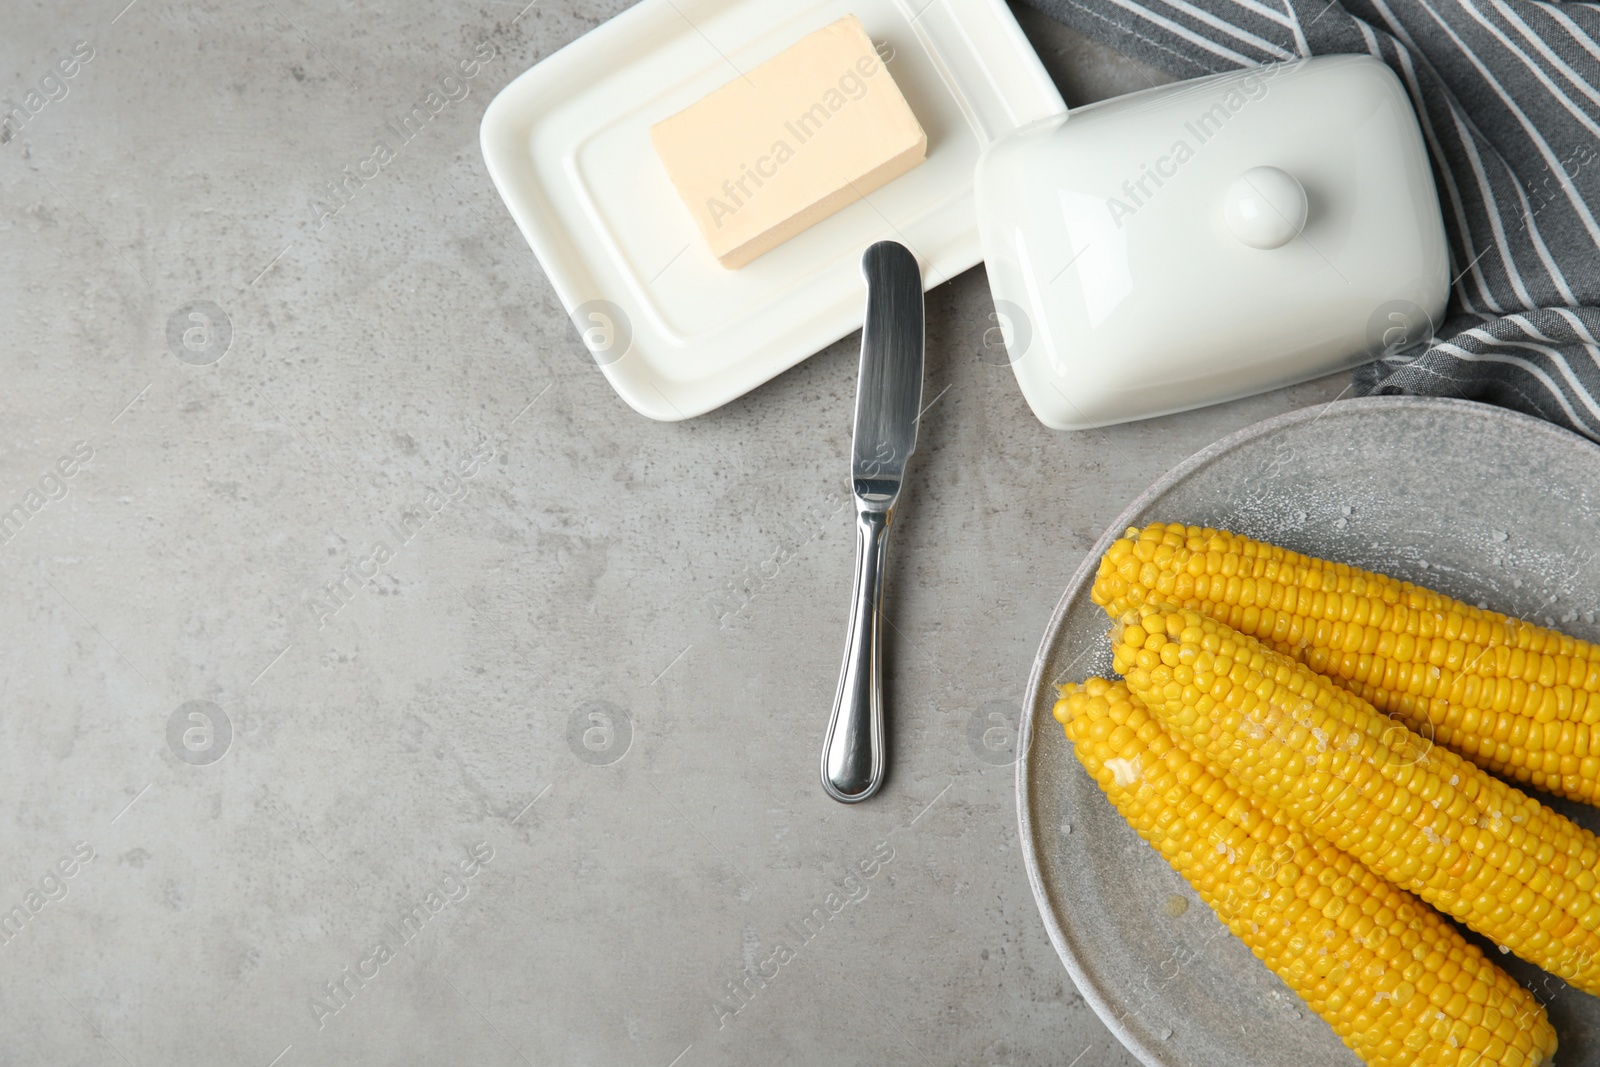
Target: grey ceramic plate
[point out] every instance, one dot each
(1475, 501)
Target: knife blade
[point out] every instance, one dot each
(888, 405)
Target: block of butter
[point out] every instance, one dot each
(782, 147)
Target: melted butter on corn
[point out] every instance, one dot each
(1517, 699)
(1395, 981)
(1530, 884)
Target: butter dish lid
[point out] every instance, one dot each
(1202, 241)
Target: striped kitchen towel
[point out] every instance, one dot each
(1508, 96)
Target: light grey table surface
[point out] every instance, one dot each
(636, 873)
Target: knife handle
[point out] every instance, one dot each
(852, 756)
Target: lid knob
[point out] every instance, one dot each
(1265, 207)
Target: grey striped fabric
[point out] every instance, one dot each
(1508, 95)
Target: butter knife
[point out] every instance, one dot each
(888, 402)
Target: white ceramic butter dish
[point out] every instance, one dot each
(1207, 240)
(676, 334)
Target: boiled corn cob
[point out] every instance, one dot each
(1517, 699)
(1421, 816)
(1395, 981)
